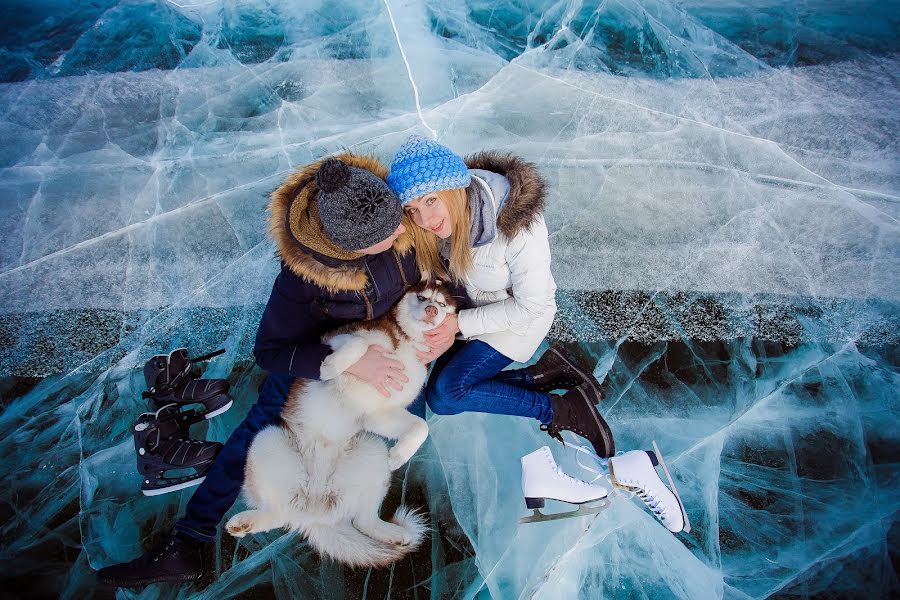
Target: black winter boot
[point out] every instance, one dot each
(557, 369)
(176, 559)
(575, 411)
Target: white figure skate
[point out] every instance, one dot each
(635, 471)
(542, 479)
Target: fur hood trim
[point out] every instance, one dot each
(315, 258)
(526, 189)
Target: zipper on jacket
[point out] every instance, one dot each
(368, 305)
(400, 267)
(372, 279)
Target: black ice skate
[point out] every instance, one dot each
(576, 411)
(167, 460)
(558, 369)
(170, 381)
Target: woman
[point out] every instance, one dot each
(480, 222)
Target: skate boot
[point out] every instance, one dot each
(575, 411)
(167, 460)
(169, 380)
(542, 479)
(636, 471)
(557, 369)
(176, 559)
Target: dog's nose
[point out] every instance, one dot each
(431, 311)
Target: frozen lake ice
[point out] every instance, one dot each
(723, 210)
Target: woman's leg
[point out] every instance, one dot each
(418, 406)
(466, 380)
(517, 377)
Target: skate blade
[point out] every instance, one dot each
(173, 488)
(673, 487)
(583, 510)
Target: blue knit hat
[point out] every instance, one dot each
(422, 166)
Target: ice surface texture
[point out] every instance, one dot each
(724, 184)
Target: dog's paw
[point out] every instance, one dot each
(329, 370)
(405, 540)
(239, 526)
(396, 459)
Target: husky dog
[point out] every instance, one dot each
(321, 471)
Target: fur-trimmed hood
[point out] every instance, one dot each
(525, 202)
(299, 239)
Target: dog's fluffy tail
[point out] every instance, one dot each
(346, 544)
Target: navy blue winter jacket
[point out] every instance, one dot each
(299, 312)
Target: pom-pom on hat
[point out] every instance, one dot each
(422, 166)
(357, 209)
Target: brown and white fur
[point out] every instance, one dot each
(322, 472)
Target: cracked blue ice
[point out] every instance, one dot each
(724, 185)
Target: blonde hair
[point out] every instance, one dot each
(426, 243)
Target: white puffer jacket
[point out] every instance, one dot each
(517, 260)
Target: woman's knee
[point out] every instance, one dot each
(440, 402)
(447, 385)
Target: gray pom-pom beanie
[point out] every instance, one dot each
(356, 207)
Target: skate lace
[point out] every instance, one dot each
(562, 473)
(601, 472)
(162, 552)
(649, 498)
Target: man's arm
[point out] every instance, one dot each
(288, 338)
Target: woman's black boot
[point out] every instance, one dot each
(557, 369)
(575, 411)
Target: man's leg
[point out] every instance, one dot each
(179, 558)
(216, 495)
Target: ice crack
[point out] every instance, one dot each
(408, 71)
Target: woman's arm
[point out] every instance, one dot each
(483, 298)
(528, 257)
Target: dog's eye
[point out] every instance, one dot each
(421, 298)
(441, 304)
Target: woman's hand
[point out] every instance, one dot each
(379, 370)
(440, 338)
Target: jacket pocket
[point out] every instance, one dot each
(340, 309)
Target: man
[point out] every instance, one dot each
(338, 232)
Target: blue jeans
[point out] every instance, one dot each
(223, 482)
(470, 377)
